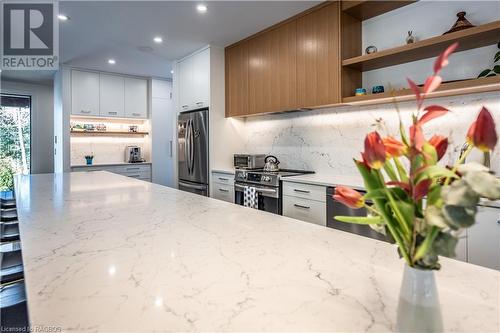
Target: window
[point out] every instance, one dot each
(15, 133)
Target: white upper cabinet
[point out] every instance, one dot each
(194, 81)
(112, 96)
(136, 98)
(84, 93)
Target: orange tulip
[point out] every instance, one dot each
(482, 132)
(374, 154)
(349, 197)
(440, 143)
(393, 147)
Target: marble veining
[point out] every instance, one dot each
(327, 140)
(107, 253)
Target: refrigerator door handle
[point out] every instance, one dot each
(191, 146)
(192, 186)
(186, 145)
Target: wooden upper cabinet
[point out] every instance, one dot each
(295, 64)
(272, 84)
(318, 57)
(236, 63)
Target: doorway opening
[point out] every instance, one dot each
(15, 134)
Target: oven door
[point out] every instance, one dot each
(269, 197)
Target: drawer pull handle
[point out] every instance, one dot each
(185, 106)
(136, 114)
(300, 206)
(224, 179)
(301, 191)
(223, 190)
(85, 111)
(199, 103)
(112, 112)
(130, 169)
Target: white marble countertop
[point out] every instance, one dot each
(224, 171)
(107, 164)
(103, 252)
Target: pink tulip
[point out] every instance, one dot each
(349, 197)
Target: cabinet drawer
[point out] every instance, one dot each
(305, 210)
(306, 191)
(223, 192)
(222, 178)
(132, 168)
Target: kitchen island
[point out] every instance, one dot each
(103, 252)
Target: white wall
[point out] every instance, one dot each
(427, 19)
(42, 122)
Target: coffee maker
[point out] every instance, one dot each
(133, 154)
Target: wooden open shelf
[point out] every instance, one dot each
(483, 35)
(365, 9)
(107, 133)
(446, 89)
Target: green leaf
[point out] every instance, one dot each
(491, 74)
(497, 56)
(390, 171)
(459, 193)
(434, 217)
(375, 194)
(458, 216)
(434, 194)
(401, 170)
(496, 69)
(425, 246)
(360, 219)
(434, 171)
(444, 245)
(430, 154)
(484, 73)
(484, 183)
(407, 211)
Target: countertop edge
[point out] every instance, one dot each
(108, 164)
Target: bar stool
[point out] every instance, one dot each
(8, 215)
(11, 266)
(9, 232)
(13, 307)
(7, 203)
(10, 246)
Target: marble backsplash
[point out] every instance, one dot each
(327, 140)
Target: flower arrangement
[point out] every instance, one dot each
(424, 206)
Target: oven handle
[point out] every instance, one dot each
(258, 189)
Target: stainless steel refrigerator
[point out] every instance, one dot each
(192, 134)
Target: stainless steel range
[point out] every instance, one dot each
(267, 185)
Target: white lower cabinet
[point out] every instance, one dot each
(305, 210)
(305, 202)
(223, 186)
(483, 238)
(137, 171)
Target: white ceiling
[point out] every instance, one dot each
(124, 31)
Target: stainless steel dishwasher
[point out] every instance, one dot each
(334, 208)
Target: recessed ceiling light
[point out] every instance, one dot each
(158, 39)
(201, 8)
(111, 61)
(63, 17)
(172, 71)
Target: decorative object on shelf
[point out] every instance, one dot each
(132, 128)
(88, 127)
(422, 232)
(76, 127)
(89, 159)
(461, 23)
(100, 128)
(496, 68)
(410, 39)
(360, 92)
(377, 89)
(371, 49)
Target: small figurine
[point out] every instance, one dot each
(360, 92)
(377, 89)
(371, 49)
(461, 23)
(410, 39)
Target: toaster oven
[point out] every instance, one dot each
(249, 161)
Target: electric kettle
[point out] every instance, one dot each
(271, 164)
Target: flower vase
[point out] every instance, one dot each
(89, 161)
(418, 308)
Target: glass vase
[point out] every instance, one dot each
(418, 307)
